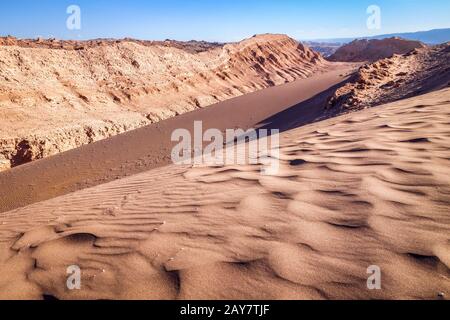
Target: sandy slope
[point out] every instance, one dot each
(150, 147)
(368, 188)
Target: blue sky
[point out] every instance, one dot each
(217, 20)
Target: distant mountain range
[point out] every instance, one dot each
(435, 36)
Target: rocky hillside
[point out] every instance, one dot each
(401, 76)
(373, 50)
(58, 95)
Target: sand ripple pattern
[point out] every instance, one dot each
(369, 188)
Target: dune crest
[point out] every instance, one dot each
(367, 188)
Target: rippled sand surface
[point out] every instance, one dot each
(368, 188)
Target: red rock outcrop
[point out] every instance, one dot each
(401, 76)
(373, 50)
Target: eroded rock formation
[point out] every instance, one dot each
(401, 76)
(58, 95)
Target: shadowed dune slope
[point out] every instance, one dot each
(367, 188)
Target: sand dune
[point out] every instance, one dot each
(150, 147)
(367, 188)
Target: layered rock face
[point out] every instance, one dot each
(59, 95)
(401, 76)
(373, 50)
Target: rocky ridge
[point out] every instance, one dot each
(372, 50)
(400, 76)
